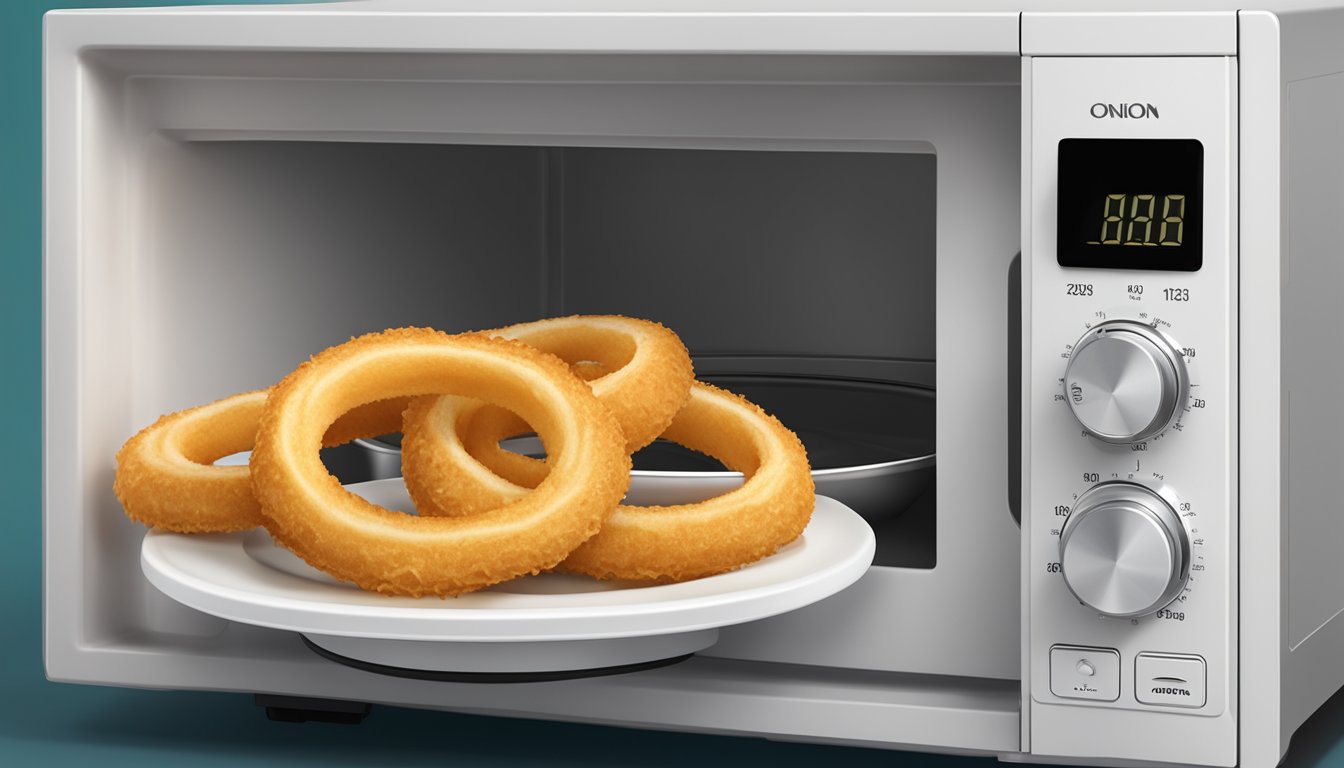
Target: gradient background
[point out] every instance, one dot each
(46, 723)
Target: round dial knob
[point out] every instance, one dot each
(1123, 550)
(1125, 382)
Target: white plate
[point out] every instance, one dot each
(244, 577)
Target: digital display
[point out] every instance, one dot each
(1131, 204)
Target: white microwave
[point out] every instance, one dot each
(1084, 253)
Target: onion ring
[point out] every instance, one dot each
(639, 369)
(669, 543)
(166, 476)
(307, 510)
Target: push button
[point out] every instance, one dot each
(1169, 680)
(1080, 672)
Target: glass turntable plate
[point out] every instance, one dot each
(538, 623)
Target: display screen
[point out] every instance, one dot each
(1131, 204)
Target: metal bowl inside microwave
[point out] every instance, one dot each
(871, 445)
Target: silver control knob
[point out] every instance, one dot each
(1123, 550)
(1125, 382)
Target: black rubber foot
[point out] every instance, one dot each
(301, 709)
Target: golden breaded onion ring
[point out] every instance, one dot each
(166, 477)
(667, 543)
(308, 511)
(639, 369)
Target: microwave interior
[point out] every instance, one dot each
(802, 279)
(832, 236)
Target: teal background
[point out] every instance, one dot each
(47, 723)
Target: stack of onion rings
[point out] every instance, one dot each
(486, 514)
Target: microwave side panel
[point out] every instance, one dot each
(1313, 378)
(1300, 96)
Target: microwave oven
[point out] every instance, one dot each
(1091, 246)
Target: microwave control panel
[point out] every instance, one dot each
(1129, 513)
